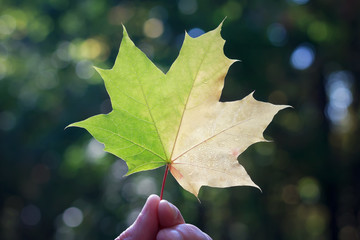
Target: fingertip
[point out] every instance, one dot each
(152, 202)
(169, 215)
(168, 207)
(153, 197)
(146, 225)
(147, 220)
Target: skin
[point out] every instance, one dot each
(161, 220)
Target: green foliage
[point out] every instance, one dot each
(308, 176)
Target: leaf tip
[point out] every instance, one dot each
(222, 22)
(70, 125)
(282, 107)
(125, 33)
(218, 29)
(287, 106)
(97, 69)
(75, 124)
(100, 71)
(232, 61)
(255, 186)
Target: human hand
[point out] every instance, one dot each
(161, 220)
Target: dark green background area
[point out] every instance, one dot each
(59, 184)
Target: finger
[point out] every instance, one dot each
(169, 215)
(182, 232)
(146, 225)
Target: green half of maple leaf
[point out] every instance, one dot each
(176, 118)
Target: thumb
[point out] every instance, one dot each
(146, 225)
(169, 215)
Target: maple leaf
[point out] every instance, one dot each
(176, 119)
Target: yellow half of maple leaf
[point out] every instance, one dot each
(176, 118)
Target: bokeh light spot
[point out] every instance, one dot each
(187, 6)
(91, 48)
(119, 169)
(47, 78)
(120, 14)
(341, 97)
(153, 28)
(277, 34)
(22, 19)
(196, 32)
(72, 162)
(72, 217)
(71, 23)
(62, 51)
(132, 216)
(94, 150)
(302, 57)
(291, 121)
(336, 115)
(338, 90)
(30, 215)
(316, 220)
(233, 10)
(309, 189)
(146, 186)
(300, 2)
(338, 86)
(318, 31)
(84, 69)
(4, 53)
(40, 27)
(7, 24)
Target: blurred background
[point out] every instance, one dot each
(60, 184)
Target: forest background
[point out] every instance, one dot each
(60, 184)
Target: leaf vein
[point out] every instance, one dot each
(106, 130)
(139, 166)
(204, 141)
(188, 97)
(208, 168)
(149, 109)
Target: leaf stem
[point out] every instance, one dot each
(164, 180)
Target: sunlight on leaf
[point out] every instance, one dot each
(176, 118)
